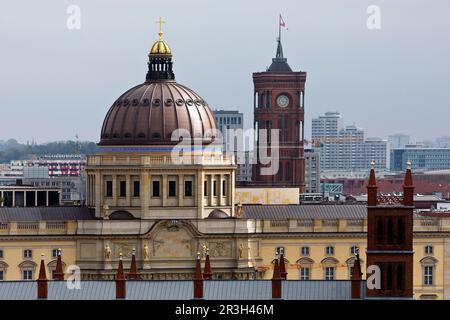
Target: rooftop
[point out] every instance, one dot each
(181, 290)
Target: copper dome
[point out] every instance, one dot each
(150, 112)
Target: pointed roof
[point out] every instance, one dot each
(198, 269)
(357, 274)
(276, 271)
(120, 274)
(372, 179)
(279, 63)
(207, 273)
(408, 182)
(59, 273)
(42, 274)
(133, 274)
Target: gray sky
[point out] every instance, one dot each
(56, 82)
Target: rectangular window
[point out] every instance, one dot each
(224, 188)
(109, 188)
(55, 253)
(123, 189)
(27, 253)
(428, 275)
(172, 188)
(304, 273)
(205, 187)
(27, 275)
(136, 189)
(1, 254)
(428, 249)
(305, 251)
(188, 188)
(329, 251)
(279, 250)
(2, 275)
(155, 189)
(329, 273)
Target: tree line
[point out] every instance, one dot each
(13, 150)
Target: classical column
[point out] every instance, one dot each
(25, 198)
(1, 196)
(164, 190)
(145, 192)
(14, 198)
(230, 195)
(200, 192)
(211, 189)
(219, 191)
(98, 194)
(35, 198)
(114, 189)
(46, 198)
(180, 189)
(128, 190)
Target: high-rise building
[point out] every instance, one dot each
(376, 149)
(345, 148)
(422, 159)
(312, 171)
(279, 101)
(327, 126)
(229, 122)
(398, 140)
(350, 149)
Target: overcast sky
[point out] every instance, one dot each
(56, 83)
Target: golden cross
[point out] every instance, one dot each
(160, 33)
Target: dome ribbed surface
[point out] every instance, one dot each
(150, 112)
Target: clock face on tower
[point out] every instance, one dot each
(282, 101)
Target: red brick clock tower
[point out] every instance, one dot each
(279, 96)
(390, 238)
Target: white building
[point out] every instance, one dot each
(227, 121)
(398, 140)
(345, 148)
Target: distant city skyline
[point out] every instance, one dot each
(57, 83)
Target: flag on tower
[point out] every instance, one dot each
(282, 23)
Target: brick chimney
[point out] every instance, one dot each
(120, 281)
(276, 281)
(356, 278)
(198, 279)
(372, 186)
(42, 282)
(59, 273)
(283, 272)
(133, 274)
(207, 272)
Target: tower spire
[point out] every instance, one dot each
(279, 63)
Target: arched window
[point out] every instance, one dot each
(389, 274)
(400, 277)
(390, 231)
(400, 231)
(428, 270)
(287, 175)
(27, 270)
(3, 268)
(380, 231)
